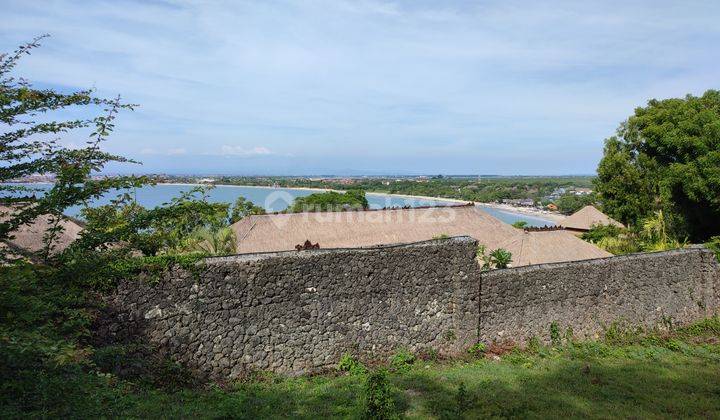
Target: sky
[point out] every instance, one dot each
(368, 87)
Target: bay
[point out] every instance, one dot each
(277, 199)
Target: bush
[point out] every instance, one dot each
(330, 201)
(520, 224)
(351, 365)
(477, 349)
(714, 245)
(378, 396)
(498, 258)
(555, 334)
(501, 258)
(402, 361)
(462, 399)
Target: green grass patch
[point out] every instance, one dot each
(674, 377)
(49, 369)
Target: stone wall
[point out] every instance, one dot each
(653, 289)
(297, 312)
(294, 312)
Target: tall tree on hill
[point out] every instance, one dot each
(666, 157)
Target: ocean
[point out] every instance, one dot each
(277, 199)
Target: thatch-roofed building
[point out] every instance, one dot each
(282, 232)
(28, 239)
(587, 217)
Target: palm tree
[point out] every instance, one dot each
(211, 241)
(656, 234)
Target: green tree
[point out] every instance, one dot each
(330, 201)
(211, 241)
(243, 208)
(28, 146)
(666, 156)
(570, 203)
(163, 229)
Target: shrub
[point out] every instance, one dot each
(555, 334)
(520, 224)
(477, 349)
(714, 245)
(402, 361)
(613, 239)
(428, 353)
(501, 258)
(620, 333)
(533, 345)
(351, 365)
(378, 396)
(462, 399)
(210, 241)
(498, 258)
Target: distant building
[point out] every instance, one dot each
(522, 202)
(344, 181)
(552, 207)
(582, 191)
(351, 229)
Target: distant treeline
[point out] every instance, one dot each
(493, 189)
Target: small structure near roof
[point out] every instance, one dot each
(307, 245)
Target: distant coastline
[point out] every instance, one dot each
(526, 211)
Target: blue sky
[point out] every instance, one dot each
(350, 87)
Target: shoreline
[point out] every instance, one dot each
(530, 212)
(556, 218)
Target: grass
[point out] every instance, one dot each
(651, 376)
(49, 368)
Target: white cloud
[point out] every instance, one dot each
(358, 79)
(226, 150)
(169, 152)
(177, 151)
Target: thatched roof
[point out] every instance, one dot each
(282, 232)
(29, 238)
(586, 218)
(552, 246)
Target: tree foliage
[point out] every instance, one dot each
(570, 203)
(497, 258)
(243, 208)
(28, 146)
(330, 201)
(652, 234)
(163, 229)
(666, 156)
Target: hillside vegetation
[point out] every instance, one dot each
(50, 368)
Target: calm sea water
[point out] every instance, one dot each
(277, 199)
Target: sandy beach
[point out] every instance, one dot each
(542, 214)
(533, 212)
